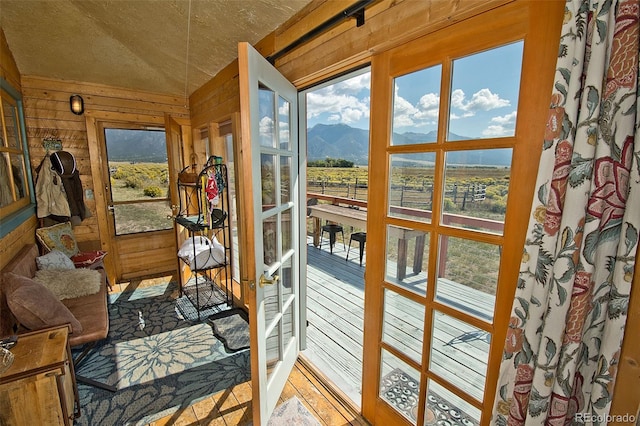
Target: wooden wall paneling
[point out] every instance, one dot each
(11, 244)
(8, 67)
(47, 114)
(400, 22)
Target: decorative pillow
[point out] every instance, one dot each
(35, 307)
(69, 284)
(59, 237)
(86, 259)
(55, 259)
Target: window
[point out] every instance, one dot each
(139, 179)
(16, 189)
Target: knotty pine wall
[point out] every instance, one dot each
(47, 115)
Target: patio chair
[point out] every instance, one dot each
(332, 229)
(361, 238)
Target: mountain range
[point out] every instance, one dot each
(349, 143)
(338, 141)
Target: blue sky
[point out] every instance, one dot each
(483, 102)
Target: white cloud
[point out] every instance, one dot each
(424, 112)
(347, 108)
(504, 125)
(266, 126)
(482, 100)
(495, 130)
(457, 99)
(506, 119)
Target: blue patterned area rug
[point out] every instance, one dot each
(158, 361)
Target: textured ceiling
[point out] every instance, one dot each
(163, 46)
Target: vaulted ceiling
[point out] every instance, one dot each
(164, 46)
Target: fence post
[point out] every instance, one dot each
(355, 189)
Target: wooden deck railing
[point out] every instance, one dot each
(449, 219)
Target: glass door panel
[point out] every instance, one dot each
(269, 159)
(446, 201)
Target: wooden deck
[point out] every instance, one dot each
(335, 313)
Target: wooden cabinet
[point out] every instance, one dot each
(40, 387)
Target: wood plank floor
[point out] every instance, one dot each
(233, 406)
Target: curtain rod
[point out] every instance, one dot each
(354, 11)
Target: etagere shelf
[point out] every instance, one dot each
(204, 203)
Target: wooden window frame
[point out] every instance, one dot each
(19, 211)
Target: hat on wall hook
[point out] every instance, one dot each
(76, 103)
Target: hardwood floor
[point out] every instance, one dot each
(232, 406)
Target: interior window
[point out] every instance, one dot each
(15, 188)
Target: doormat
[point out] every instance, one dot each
(231, 327)
(401, 391)
(292, 412)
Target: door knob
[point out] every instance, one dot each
(264, 281)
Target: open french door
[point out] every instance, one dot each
(269, 211)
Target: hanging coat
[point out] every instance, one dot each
(50, 196)
(75, 198)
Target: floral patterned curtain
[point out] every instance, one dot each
(567, 322)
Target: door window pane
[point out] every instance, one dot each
(403, 324)
(286, 230)
(484, 94)
(285, 179)
(19, 179)
(11, 128)
(407, 258)
(270, 240)
(269, 189)
(399, 385)
(459, 353)
(416, 103)
(442, 404)
(284, 123)
(468, 275)
(139, 179)
(266, 104)
(411, 186)
(476, 186)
